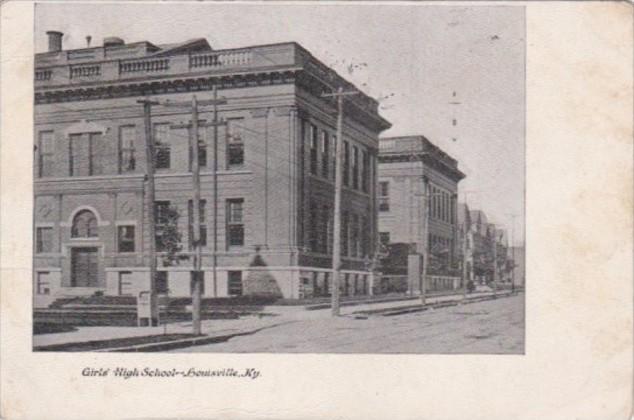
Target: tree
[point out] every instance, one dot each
(395, 262)
(169, 236)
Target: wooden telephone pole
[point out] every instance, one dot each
(149, 206)
(426, 201)
(466, 227)
(194, 141)
(495, 263)
(512, 216)
(336, 247)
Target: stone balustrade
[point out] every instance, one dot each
(144, 65)
(92, 70)
(43, 75)
(222, 59)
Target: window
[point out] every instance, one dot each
(42, 286)
(355, 167)
(384, 238)
(202, 148)
(439, 199)
(365, 236)
(313, 149)
(365, 171)
(324, 230)
(86, 154)
(235, 222)
(79, 156)
(127, 158)
(302, 193)
(234, 281)
(125, 238)
(334, 156)
(203, 222)
(84, 225)
(97, 154)
(354, 235)
(125, 283)
(160, 282)
(346, 163)
(162, 147)
(44, 240)
(328, 228)
(313, 231)
(235, 144)
(46, 153)
(384, 196)
(161, 219)
(324, 154)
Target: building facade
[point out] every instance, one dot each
(465, 240)
(275, 173)
(417, 180)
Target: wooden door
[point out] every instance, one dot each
(84, 267)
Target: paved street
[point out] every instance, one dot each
(495, 326)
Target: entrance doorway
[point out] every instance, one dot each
(84, 267)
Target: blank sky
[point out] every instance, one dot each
(416, 55)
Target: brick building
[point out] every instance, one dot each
(413, 170)
(275, 172)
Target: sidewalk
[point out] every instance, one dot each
(244, 325)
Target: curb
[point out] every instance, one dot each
(370, 302)
(184, 343)
(419, 308)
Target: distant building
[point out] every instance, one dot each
(504, 271)
(518, 256)
(465, 233)
(413, 171)
(275, 174)
(482, 254)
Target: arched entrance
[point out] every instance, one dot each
(84, 259)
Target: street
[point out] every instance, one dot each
(494, 326)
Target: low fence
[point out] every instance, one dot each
(439, 283)
(398, 283)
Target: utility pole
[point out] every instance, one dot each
(465, 248)
(423, 288)
(495, 262)
(215, 102)
(336, 248)
(149, 206)
(197, 277)
(465, 235)
(513, 216)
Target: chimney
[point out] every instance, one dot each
(112, 41)
(54, 41)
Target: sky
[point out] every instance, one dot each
(412, 57)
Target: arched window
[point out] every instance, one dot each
(84, 225)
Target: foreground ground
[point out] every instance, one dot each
(494, 326)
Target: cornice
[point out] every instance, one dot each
(197, 83)
(153, 86)
(453, 173)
